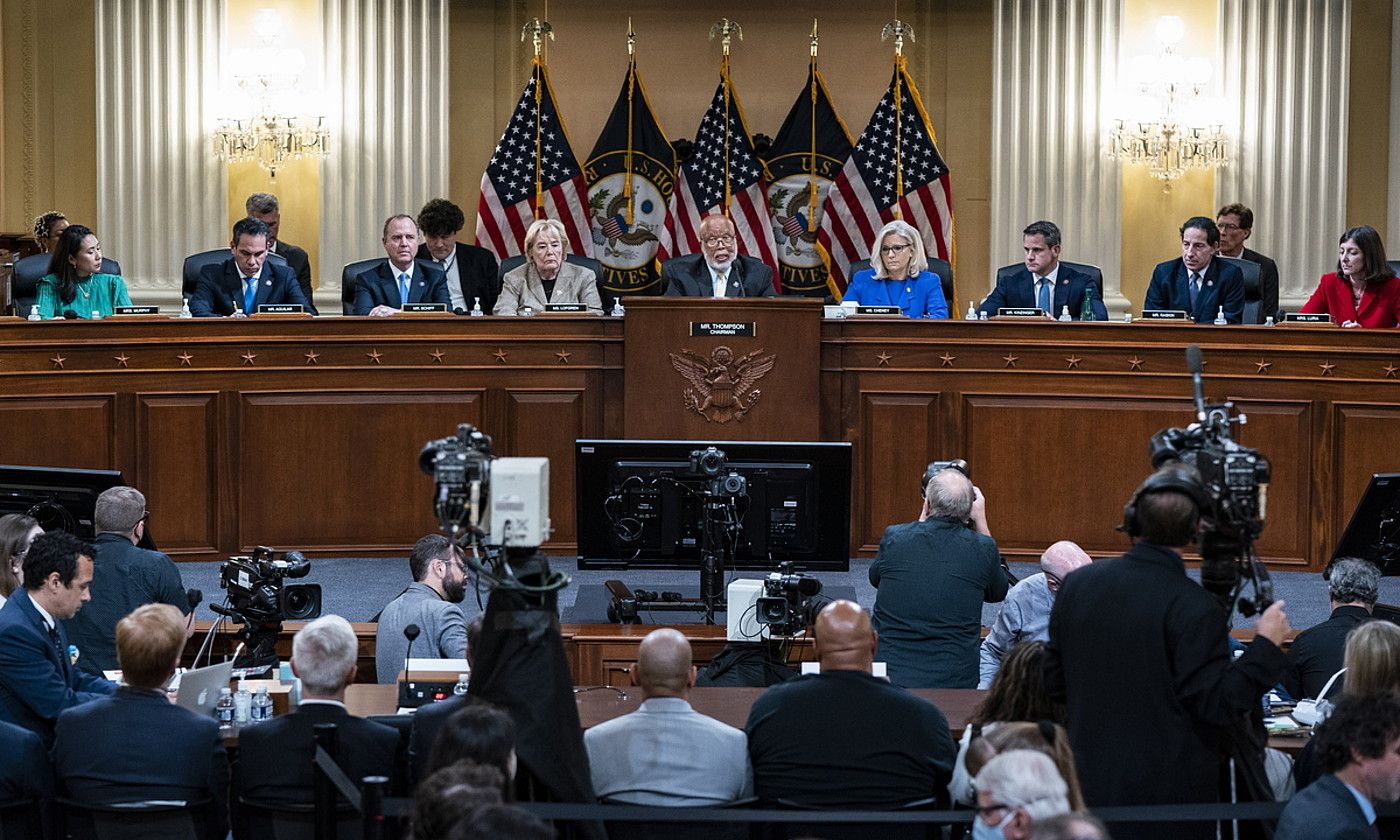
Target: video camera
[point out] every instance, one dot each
(786, 604)
(257, 593)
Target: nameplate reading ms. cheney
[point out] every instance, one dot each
(722, 387)
(709, 329)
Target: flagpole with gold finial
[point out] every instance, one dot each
(899, 30)
(812, 147)
(631, 89)
(537, 30)
(726, 29)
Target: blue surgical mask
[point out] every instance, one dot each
(982, 831)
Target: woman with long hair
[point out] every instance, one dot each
(1363, 291)
(75, 282)
(17, 531)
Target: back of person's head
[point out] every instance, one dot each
(14, 545)
(1360, 727)
(501, 822)
(149, 642)
(323, 654)
(1043, 737)
(1025, 780)
(949, 494)
(440, 217)
(1353, 581)
(844, 638)
(425, 551)
(1165, 507)
(1069, 827)
(118, 510)
(481, 733)
(1372, 658)
(664, 662)
(451, 794)
(1018, 690)
(54, 552)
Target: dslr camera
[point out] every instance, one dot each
(258, 594)
(711, 463)
(786, 603)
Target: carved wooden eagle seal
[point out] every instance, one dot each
(722, 387)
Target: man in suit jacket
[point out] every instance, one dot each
(1196, 282)
(432, 603)
(384, 289)
(265, 208)
(719, 270)
(1358, 749)
(1352, 588)
(274, 758)
(136, 745)
(38, 679)
(248, 279)
(1236, 223)
(470, 270)
(24, 765)
(1045, 282)
(666, 753)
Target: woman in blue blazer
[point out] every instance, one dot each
(899, 276)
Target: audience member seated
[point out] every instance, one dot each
(75, 283)
(931, 578)
(247, 279)
(265, 208)
(1042, 737)
(136, 745)
(1017, 694)
(123, 578)
(1045, 282)
(470, 270)
(429, 720)
(48, 227)
(25, 772)
(451, 795)
(1195, 282)
(666, 753)
(900, 276)
(1025, 614)
(1069, 827)
(1358, 751)
(719, 270)
(274, 757)
(546, 276)
(1236, 224)
(845, 738)
(433, 602)
(1316, 654)
(38, 679)
(501, 821)
(17, 533)
(1364, 291)
(384, 289)
(479, 733)
(1014, 790)
(1372, 660)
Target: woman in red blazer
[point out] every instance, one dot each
(1364, 291)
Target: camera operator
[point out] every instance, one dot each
(1138, 652)
(433, 602)
(931, 578)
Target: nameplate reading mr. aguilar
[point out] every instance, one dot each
(721, 328)
(281, 309)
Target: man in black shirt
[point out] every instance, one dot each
(1352, 587)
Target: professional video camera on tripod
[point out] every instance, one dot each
(260, 600)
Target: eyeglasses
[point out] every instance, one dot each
(985, 811)
(715, 241)
(893, 249)
(1229, 228)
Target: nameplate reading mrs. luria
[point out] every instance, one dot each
(1308, 318)
(721, 328)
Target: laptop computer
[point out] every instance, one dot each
(199, 689)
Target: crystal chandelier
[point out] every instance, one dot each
(1172, 126)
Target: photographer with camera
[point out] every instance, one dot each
(433, 602)
(931, 578)
(1138, 653)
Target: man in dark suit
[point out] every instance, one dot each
(274, 761)
(1138, 653)
(24, 765)
(1196, 282)
(719, 270)
(1045, 282)
(38, 679)
(1317, 653)
(1358, 750)
(123, 578)
(248, 279)
(384, 289)
(471, 271)
(1236, 223)
(265, 208)
(136, 745)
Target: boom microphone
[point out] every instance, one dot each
(1196, 365)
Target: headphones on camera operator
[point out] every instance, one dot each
(1176, 478)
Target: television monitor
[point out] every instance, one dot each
(1374, 531)
(641, 504)
(60, 498)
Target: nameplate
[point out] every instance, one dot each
(280, 309)
(1020, 312)
(1307, 318)
(565, 307)
(424, 307)
(136, 310)
(721, 328)
(879, 310)
(1164, 315)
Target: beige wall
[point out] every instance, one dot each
(1368, 120)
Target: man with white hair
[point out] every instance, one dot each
(1014, 790)
(719, 270)
(1025, 614)
(1352, 588)
(274, 761)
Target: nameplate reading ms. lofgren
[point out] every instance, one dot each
(721, 328)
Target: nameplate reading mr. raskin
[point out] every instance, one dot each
(721, 328)
(1163, 315)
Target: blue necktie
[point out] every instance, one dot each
(403, 288)
(250, 295)
(1044, 300)
(1195, 288)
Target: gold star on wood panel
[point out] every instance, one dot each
(58, 360)
(312, 357)
(1327, 368)
(1011, 360)
(562, 356)
(248, 357)
(1262, 366)
(437, 356)
(882, 359)
(1390, 371)
(185, 359)
(1073, 362)
(121, 359)
(374, 356)
(500, 355)
(1135, 363)
(947, 359)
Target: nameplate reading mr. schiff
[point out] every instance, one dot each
(721, 328)
(424, 307)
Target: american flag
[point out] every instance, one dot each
(534, 144)
(866, 193)
(701, 187)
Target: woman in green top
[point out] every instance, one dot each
(73, 282)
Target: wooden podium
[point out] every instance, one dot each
(722, 368)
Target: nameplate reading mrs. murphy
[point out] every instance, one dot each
(721, 328)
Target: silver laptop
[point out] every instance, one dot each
(199, 689)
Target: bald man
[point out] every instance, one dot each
(666, 753)
(845, 738)
(1026, 612)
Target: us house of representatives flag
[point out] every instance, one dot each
(631, 179)
(807, 155)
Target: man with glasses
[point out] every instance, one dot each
(1236, 223)
(1026, 612)
(124, 577)
(1195, 282)
(433, 602)
(719, 270)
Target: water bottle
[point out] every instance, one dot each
(223, 710)
(34, 314)
(1086, 310)
(1220, 316)
(981, 316)
(461, 687)
(96, 316)
(476, 308)
(262, 706)
(617, 311)
(1269, 321)
(526, 311)
(971, 311)
(242, 704)
(1064, 314)
(185, 309)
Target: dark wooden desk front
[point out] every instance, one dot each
(305, 433)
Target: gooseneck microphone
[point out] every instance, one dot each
(70, 315)
(411, 633)
(1196, 365)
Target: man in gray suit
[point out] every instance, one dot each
(666, 753)
(432, 602)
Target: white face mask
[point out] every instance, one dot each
(982, 831)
